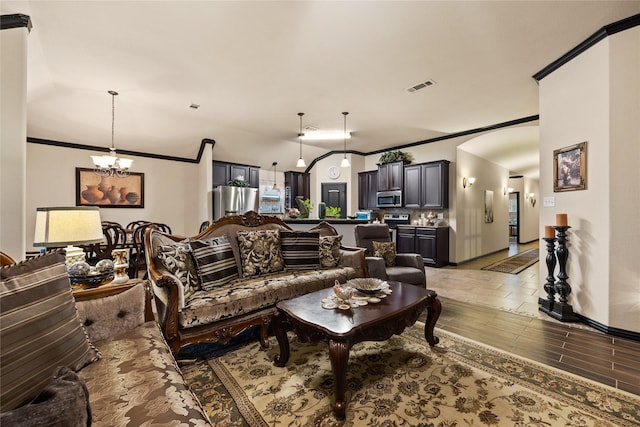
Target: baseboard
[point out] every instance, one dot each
(616, 332)
(478, 257)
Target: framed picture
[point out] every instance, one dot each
(570, 168)
(488, 206)
(109, 191)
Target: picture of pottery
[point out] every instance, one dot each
(132, 198)
(110, 191)
(92, 194)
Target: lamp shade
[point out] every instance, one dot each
(62, 226)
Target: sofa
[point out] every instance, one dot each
(99, 360)
(228, 278)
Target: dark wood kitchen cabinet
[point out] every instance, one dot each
(430, 242)
(390, 176)
(426, 185)
(296, 184)
(367, 189)
(223, 172)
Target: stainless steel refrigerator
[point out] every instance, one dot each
(229, 200)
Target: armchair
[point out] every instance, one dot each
(409, 268)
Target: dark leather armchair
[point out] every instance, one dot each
(409, 268)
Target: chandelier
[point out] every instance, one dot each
(301, 163)
(111, 164)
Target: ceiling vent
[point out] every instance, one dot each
(421, 85)
(311, 128)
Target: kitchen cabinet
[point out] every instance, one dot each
(223, 172)
(426, 185)
(296, 184)
(367, 189)
(430, 242)
(390, 176)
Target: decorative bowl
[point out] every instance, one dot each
(368, 285)
(91, 280)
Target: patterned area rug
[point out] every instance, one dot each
(403, 381)
(515, 264)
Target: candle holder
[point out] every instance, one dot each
(562, 310)
(546, 305)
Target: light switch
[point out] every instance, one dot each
(549, 202)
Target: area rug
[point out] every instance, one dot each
(515, 264)
(403, 382)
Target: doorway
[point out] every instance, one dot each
(335, 194)
(514, 217)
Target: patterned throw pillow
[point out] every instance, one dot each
(176, 258)
(386, 251)
(300, 250)
(63, 402)
(330, 250)
(215, 261)
(260, 252)
(39, 328)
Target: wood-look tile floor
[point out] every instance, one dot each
(501, 310)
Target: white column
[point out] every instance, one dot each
(13, 144)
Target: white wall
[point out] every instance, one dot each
(13, 133)
(174, 191)
(594, 98)
(474, 237)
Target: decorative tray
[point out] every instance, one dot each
(368, 285)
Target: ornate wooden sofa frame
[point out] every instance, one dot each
(167, 288)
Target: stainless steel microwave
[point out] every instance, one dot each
(389, 199)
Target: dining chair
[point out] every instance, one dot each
(115, 238)
(137, 259)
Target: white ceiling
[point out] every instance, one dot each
(253, 65)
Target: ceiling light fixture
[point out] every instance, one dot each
(345, 161)
(111, 164)
(301, 163)
(325, 136)
(275, 170)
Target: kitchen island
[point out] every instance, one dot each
(342, 226)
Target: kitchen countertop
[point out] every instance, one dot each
(329, 220)
(424, 226)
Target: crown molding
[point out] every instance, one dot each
(601, 34)
(17, 20)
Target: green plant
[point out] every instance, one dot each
(395, 156)
(333, 211)
(308, 205)
(238, 183)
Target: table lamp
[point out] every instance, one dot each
(68, 226)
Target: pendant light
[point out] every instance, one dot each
(301, 163)
(275, 186)
(111, 164)
(345, 161)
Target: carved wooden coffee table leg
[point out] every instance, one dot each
(339, 356)
(433, 313)
(283, 342)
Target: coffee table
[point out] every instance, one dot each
(341, 329)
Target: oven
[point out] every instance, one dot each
(389, 199)
(393, 220)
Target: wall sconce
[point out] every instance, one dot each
(532, 198)
(468, 182)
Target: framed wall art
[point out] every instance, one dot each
(570, 168)
(109, 191)
(488, 206)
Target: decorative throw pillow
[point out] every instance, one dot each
(330, 250)
(39, 328)
(386, 251)
(300, 250)
(215, 261)
(260, 252)
(105, 317)
(64, 401)
(176, 258)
